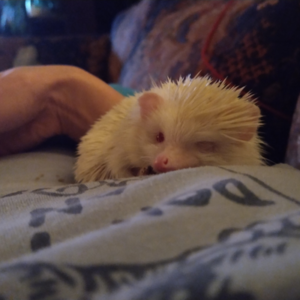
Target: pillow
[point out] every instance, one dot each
(253, 44)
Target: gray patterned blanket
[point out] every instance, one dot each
(204, 233)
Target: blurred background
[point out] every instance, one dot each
(58, 17)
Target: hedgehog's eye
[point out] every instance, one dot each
(160, 137)
(206, 146)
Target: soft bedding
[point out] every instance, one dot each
(204, 233)
(213, 233)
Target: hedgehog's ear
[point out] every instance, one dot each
(245, 132)
(149, 102)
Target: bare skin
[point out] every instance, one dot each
(37, 103)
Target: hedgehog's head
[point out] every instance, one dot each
(195, 122)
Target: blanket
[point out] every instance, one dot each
(204, 233)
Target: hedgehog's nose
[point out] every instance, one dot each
(161, 164)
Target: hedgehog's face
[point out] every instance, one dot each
(166, 151)
(174, 137)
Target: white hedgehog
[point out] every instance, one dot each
(183, 124)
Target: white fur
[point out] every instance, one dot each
(204, 123)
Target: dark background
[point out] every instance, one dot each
(73, 17)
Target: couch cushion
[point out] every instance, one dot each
(293, 149)
(255, 45)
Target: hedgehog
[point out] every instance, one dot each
(174, 125)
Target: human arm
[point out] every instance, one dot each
(43, 101)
